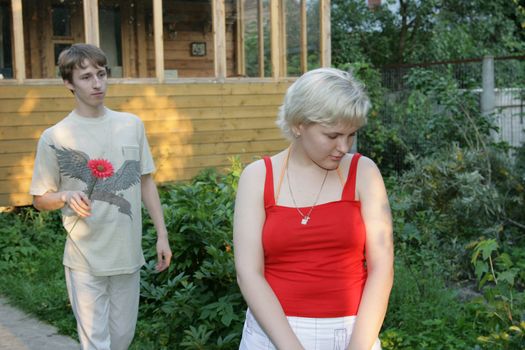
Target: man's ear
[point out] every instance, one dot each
(70, 86)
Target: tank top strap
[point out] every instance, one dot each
(349, 189)
(269, 198)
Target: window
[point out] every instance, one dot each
(234, 38)
(50, 26)
(61, 15)
(313, 34)
(109, 19)
(57, 49)
(126, 35)
(188, 39)
(256, 26)
(6, 61)
(292, 19)
(296, 50)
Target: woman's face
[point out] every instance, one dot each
(326, 145)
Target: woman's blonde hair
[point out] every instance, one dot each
(324, 96)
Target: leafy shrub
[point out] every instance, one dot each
(509, 339)
(196, 304)
(31, 271)
(453, 217)
(430, 115)
(424, 313)
(458, 214)
(380, 138)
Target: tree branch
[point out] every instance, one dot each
(515, 223)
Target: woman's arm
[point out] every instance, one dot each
(249, 258)
(379, 249)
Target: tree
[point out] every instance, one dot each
(410, 31)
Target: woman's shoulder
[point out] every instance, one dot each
(258, 167)
(365, 162)
(253, 168)
(367, 171)
(252, 179)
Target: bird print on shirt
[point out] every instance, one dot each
(73, 164)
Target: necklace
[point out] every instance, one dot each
(304, 217)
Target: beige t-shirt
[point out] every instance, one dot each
(109, 241)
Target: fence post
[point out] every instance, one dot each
(488, 95)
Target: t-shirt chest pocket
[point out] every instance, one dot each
(131, 152)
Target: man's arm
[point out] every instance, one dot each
(150, 197)
(46, 179)
(77, 200)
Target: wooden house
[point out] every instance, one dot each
(205, 76)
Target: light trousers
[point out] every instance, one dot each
(105, 307)
(313, 333)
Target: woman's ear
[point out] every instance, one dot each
(296, 130)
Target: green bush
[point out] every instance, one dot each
(455, 221)
(424, 313)
(31, 270)
(457, 201)
(196, 304)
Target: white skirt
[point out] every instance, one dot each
(313, 333)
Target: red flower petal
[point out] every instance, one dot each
(100, 168)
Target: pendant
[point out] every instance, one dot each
(305, 219)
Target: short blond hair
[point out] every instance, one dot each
(324, 96)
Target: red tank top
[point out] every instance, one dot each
(318, 269)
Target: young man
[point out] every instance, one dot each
(95, 165)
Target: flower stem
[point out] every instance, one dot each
(90, 192)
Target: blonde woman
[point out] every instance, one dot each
(313, 229)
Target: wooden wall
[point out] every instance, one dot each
(190, 126)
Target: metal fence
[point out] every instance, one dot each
(509, 116)
(509, 72)
(508, 88)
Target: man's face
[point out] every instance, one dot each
(89, 85)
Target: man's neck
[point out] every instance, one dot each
(90, 112)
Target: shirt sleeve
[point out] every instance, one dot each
(147, 165)
(46, 176)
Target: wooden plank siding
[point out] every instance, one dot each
(190, 126)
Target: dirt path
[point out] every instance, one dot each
(19, 331)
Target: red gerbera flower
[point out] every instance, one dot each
(100, 168)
